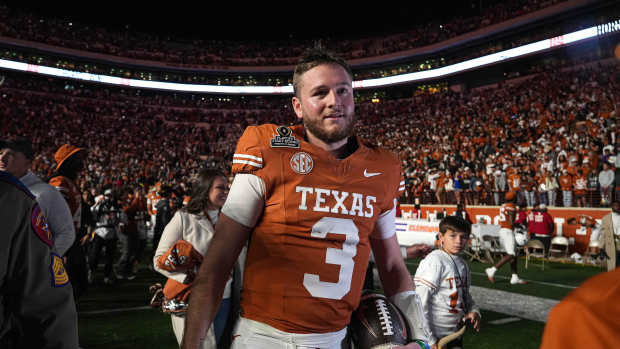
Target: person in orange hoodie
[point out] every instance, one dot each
(566, 185)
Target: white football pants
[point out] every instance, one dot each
(257, 335)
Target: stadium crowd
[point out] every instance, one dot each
(197, 52)
(547, 137)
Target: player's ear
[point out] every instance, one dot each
(297, 107)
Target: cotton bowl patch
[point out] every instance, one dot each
(39, 225)
(59, 273)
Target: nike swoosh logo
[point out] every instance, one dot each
(371, 174)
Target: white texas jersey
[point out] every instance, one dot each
(443, 281)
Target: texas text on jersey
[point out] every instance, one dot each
(309, 251)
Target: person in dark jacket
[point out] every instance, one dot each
(164, 215)
(36, 297)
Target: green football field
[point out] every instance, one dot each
(113, 316)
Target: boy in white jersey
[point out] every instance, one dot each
(443, 280)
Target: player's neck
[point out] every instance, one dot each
(339, 149)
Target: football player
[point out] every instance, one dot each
(312, 200)
(507, 241)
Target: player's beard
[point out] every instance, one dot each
(315, 126)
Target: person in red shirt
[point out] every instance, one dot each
(542, 226)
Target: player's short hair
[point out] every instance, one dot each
(454, 223)
(313, 58)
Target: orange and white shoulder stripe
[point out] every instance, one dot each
(419, 280)
(246, 159)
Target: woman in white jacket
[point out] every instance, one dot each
(195, 224)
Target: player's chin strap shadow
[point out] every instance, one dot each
(449, 338)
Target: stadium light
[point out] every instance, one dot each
(539, 46)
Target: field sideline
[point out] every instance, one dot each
(101, 325)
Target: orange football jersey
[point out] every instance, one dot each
(72, 195)
(309, 251)
(506, 209)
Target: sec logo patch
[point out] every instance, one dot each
(302, 163)
(39, 225)
(59, 273)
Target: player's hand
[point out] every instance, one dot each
(83, 240)
(418, 250)
(474, 317)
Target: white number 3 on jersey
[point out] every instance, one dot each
(342, 257)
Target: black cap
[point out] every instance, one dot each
(22, 145)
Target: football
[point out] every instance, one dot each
(377, 323)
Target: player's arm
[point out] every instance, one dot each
(426, 279)
(394, 274)
(243, 207)
(207, 289)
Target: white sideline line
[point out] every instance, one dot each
(504, 321)
(529, 281)
(115, 310)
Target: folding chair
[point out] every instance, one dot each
(593, 254)
(536, 249)
(491, 246)
(559, 247)
(474, 250)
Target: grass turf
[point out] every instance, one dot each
(561, 274)
(151, 329)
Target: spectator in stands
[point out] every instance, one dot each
(566, 184)
(528, 186)
(551, 184)
(457, 183)
(16, 158)
(606, 181)
(579, 188)
(592, 187)
(500, 185)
